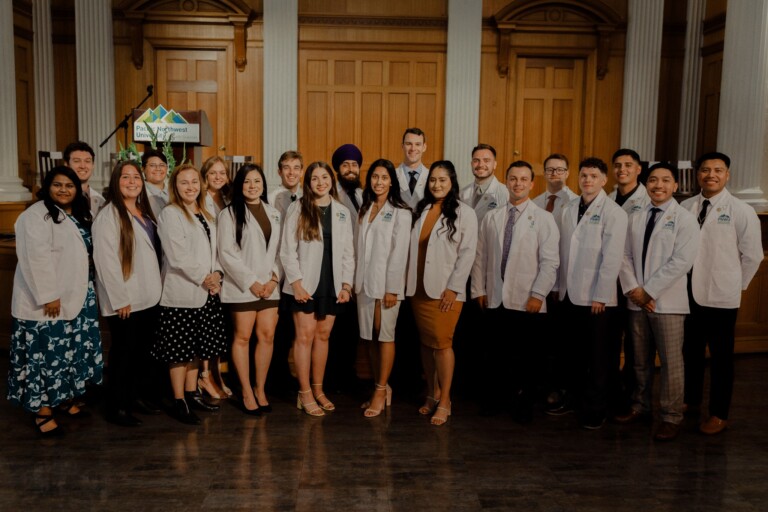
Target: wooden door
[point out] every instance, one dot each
(196, 80)
(369, 98)
(549, 113)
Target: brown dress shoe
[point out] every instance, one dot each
(713, 425)
(667, 432)
(632, 416)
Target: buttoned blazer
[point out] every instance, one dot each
(382, 252)
(302, 259)
(565, 196)
(671, 250)
(495, 196)
(591, 252)
(254, 260)
(731, 251)
(531, 264)
(52, 264)
(636, 202)
(143, 288)
(448, 262)
(188, 257)
(346, 201)
(418, 192)
(97, 201)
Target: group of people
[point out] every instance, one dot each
(173, 257)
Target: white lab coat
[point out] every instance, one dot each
(254, 260)
(495, 196)
(671, 250)
(281, 199)
(143, 288)
(591, 251)
(418, 192)
(564, 196)
(448, 262)
(346, 201)
(303, 260)
(188, 258)
(96, 201)
(531, 264)
(382, 252)
(158, 198)
(52, 264)
(731, 250)
(636, 202)
(211, 205)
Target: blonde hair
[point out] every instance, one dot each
(175, 197)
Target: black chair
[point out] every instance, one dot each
(235, 162)
(47, 160)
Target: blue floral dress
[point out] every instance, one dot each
(52, 361)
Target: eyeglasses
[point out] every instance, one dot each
(555, 170)
(157, 166)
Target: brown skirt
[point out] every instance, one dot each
(435, 327)
(254, 305)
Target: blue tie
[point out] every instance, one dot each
(508, 229)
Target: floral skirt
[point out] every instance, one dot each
(51, 361)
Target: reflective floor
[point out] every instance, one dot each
(289, 461)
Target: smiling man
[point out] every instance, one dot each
(730, 255)
(662, 241)
(486, 193)
(630, 194)
(557, 194)
(411, 173)
(79, 156)
(290, 168)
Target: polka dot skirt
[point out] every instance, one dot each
(186, 334)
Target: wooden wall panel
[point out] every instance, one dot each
(709, 102)
(368, 98)
(25, 110)
(246, 134)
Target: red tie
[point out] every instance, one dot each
(551, 203)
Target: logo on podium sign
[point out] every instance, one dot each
(167, 125)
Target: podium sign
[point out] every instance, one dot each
(186, 126)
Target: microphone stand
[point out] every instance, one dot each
(124, 123)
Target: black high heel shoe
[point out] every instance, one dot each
(195, 400)
(180, 411)
(57, 431)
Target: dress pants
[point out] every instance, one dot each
(556, 346)
(132, 369)
(588, 353)
(621, 379)
(665, 333)
(714, 327)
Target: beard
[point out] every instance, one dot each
(350, 185)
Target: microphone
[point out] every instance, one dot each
(150, 89)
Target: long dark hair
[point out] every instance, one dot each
(308, 227)
(238, 205)
(115, 197)
(450, 203)
(81, 210)
(369, 196)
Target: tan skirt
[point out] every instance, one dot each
(435, 327)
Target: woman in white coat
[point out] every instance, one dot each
(443, 243)
(382, 256)
(248, 241)
(191, 317)
(55, 342)
(215, 172)
(317, 254)
(126, 254)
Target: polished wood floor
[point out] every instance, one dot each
(288, 461)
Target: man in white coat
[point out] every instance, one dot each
(346, 161)
(289, 168)
(514, 271)
(486, 193)
(411, 173)
(662, 241)
(592, 237)
(730, 255)
(79, 156)
(557, 195)
(632, 196)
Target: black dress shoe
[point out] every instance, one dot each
(181, 412)
(146, 407)
(123, 418)
(265, 408)
(251, 412)
(667, 432)
(196, 401)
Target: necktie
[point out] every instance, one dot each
(508, 229)
(551, 203)
(648, 231)
(412, 181)
(703, 212)
(354, 200)
(293, 197)
(476, 197)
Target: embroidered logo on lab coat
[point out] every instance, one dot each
(595, 219)
(724, 219)
(635, 208)
(492, 205)
(670, 224)
(342, 216)
(387, 217)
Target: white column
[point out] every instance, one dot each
(689, 97)
(642, 62)
(462, 84)
(11, 188)
(95, 81)
(45, 105)
(281, 78)
(741, 129)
